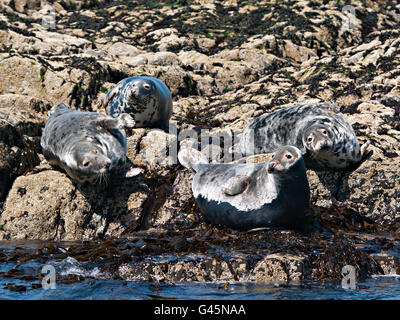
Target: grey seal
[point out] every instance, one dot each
(251, 195)
(87, 145)
(147, 99)
(321, 132)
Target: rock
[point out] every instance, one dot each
(156, 150)
(20, 129)
(177, 210)
(195, 60)
(47, 206)
(27, 77)
(295, 52)
(280, 268)
(120, 49)
(165, 59)
(205, 43)
(190, 268)
(172, 43)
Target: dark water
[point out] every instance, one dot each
(96, 286)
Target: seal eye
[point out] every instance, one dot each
(146, 86)
(324, 132)
(309, 139)
(94, 151)
(272, 156)
(289, 156)
(86, 163)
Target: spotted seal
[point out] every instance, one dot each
(321, 132)
(251, 195)
(87, 145)
(147, 99)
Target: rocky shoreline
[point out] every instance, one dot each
(225, 63)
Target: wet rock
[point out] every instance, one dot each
(281, 268)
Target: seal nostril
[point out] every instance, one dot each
(271, 167)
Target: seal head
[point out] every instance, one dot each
(318, 138)
(283, 159)
(88, 163)
(141, 94)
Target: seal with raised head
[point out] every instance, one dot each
(147, 99)
(87, 145)
(321, 132)
(251, 195)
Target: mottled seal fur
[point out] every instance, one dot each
(87, 145)
(147, 99)
(251, 195)
(321, 132)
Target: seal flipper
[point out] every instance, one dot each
(128, 172)
(123, 120)
(236, 185)
(190, 158)
(364, 148)
(61, 107)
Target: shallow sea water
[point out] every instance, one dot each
(96, 286)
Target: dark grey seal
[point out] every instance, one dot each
(147, 99)
(321, 132)
(89, 146)
(251, 195)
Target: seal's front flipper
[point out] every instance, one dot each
(127, 172)
(364, 148)
(123, 120)
(61, 107)
(127, 120)
(236, 185)
(190, 158)
(133, 172)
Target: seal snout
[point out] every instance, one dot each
(106, 166)
(271, 166)
(323, 145)
(134, 92)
